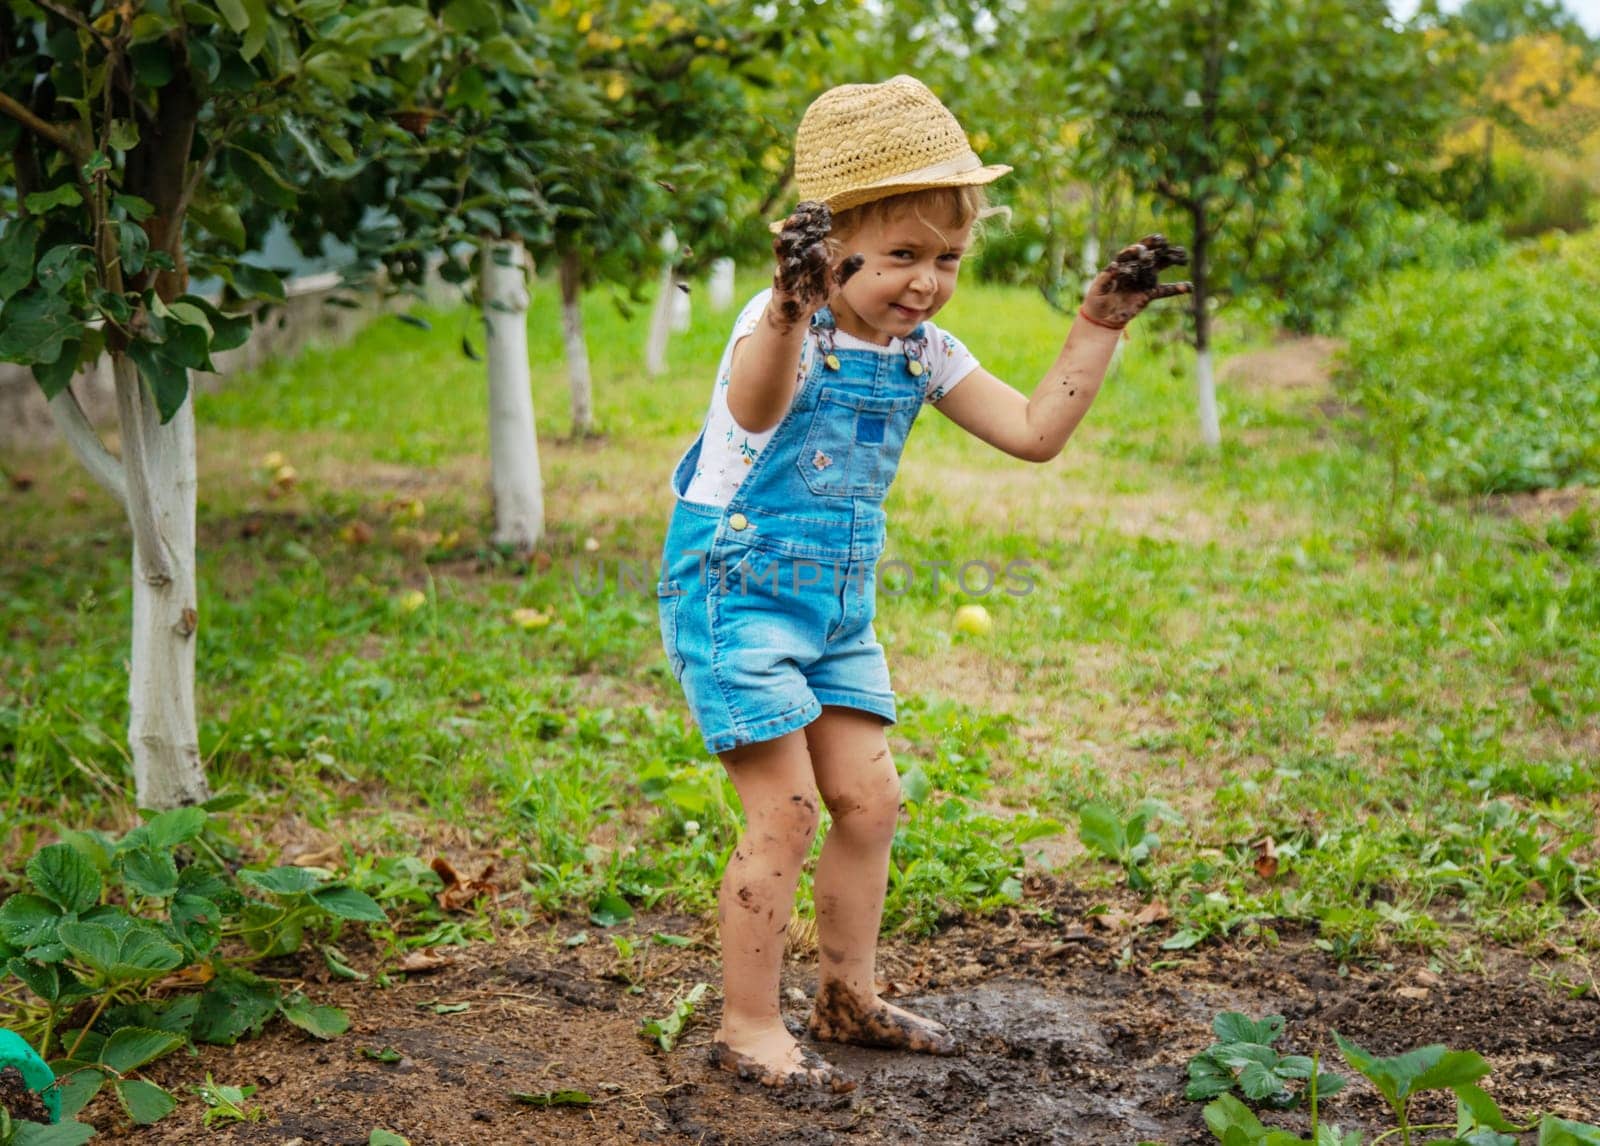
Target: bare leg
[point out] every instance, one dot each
(850, 757)
(778, 791)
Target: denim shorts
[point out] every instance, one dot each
(761, 634)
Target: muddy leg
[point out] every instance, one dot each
(778, 791)
(862, 790)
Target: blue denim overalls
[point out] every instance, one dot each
(767, 603)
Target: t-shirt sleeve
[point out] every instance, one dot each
(949, 362)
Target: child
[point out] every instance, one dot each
(768, 588)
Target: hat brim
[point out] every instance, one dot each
(856, 196)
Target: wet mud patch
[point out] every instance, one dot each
(1068, 1036)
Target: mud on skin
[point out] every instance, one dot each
(1131, 280)
(840, 1016)
(801, 281)
(815, 1072)
(18, 1098)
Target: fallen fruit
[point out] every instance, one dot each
(974, 620)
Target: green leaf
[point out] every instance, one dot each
(609, 910)
(16, 256)
(1100, 830)
(915, 785)
(1260, 1082)
(138, 209)
(1228, 1113)
(43, 979)
(66, 195)
(62, 265)
(145, 1102)
(57, 1134)
(348, 903)
(77, 1083)
(124, 134)
(233, 12)
(222, 220)
(63, 876)
(319, 1021)
(149, 873)
(553, 1098)
(29, 921)
(133, 245)
(380, 1137)
(1555, 1131)
(1475, 1108)
(57, 376)
(1233, 1027)
(1454, 1068)
(168, 380)
(132, 1047)
(198, 921)
(178, 826)
(233, 1004)
(34, 327)
(286, 880)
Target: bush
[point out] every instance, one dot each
(1485, 380)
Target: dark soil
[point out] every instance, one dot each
(1066, 1040)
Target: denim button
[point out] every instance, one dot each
(738, 521)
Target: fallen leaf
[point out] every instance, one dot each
(1153, 912)
(194, 975)
(1266, 857)
(423, 960)
(1412, 992)
(460, 893)
(1427, 978)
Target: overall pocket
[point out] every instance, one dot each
(668, 593)
(853, 444)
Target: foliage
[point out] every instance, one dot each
(1478, 1121)
(1243, 1057)
(665, 1032)
(1493, 392)
(1130, 842)
(116, 925)
(1176, 104)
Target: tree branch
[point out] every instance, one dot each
(39, 127)
(87, 444)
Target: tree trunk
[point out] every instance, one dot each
(513, 443)
(577, 348)
(158, 467)
(655, 351)
(721, 292)
(1205, 387)
(1091, 236)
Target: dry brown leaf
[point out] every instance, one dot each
(1266, 857)
(1412, 992)
(187, 978)
(460, 893)
(1153, 912)
(425, 959)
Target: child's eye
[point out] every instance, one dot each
(950, 257)
(901, 254)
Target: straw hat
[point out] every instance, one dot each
(860, 142)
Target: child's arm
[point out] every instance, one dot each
(764, 367)
(1035, 429)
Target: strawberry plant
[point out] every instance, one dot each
(1478, 1122)
(1129, 842)
(1243, 1057)
(101, 921)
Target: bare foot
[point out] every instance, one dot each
(841, 1016)
(777, 1061)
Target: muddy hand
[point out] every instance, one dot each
(806, 277)
(1129, 282)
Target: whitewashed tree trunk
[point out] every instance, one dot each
(513, 443)
(1206, 392)
(158, 472)
(721, 291)
(577, 346)
(1091, 236)
(682, 314)
(655, 350)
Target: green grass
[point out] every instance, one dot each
(1404, 698)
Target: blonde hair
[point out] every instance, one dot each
(957, 208)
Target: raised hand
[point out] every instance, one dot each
(806, 278)
(1129, 282)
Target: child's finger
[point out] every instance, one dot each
(1167, 290)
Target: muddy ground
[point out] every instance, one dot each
(1067, 1040)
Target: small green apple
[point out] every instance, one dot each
(974, 620)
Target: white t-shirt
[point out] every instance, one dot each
(728, 450)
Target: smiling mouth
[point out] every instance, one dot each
(907, 311)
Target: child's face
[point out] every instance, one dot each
(909, 274)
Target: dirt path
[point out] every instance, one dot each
(1061, 1044)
